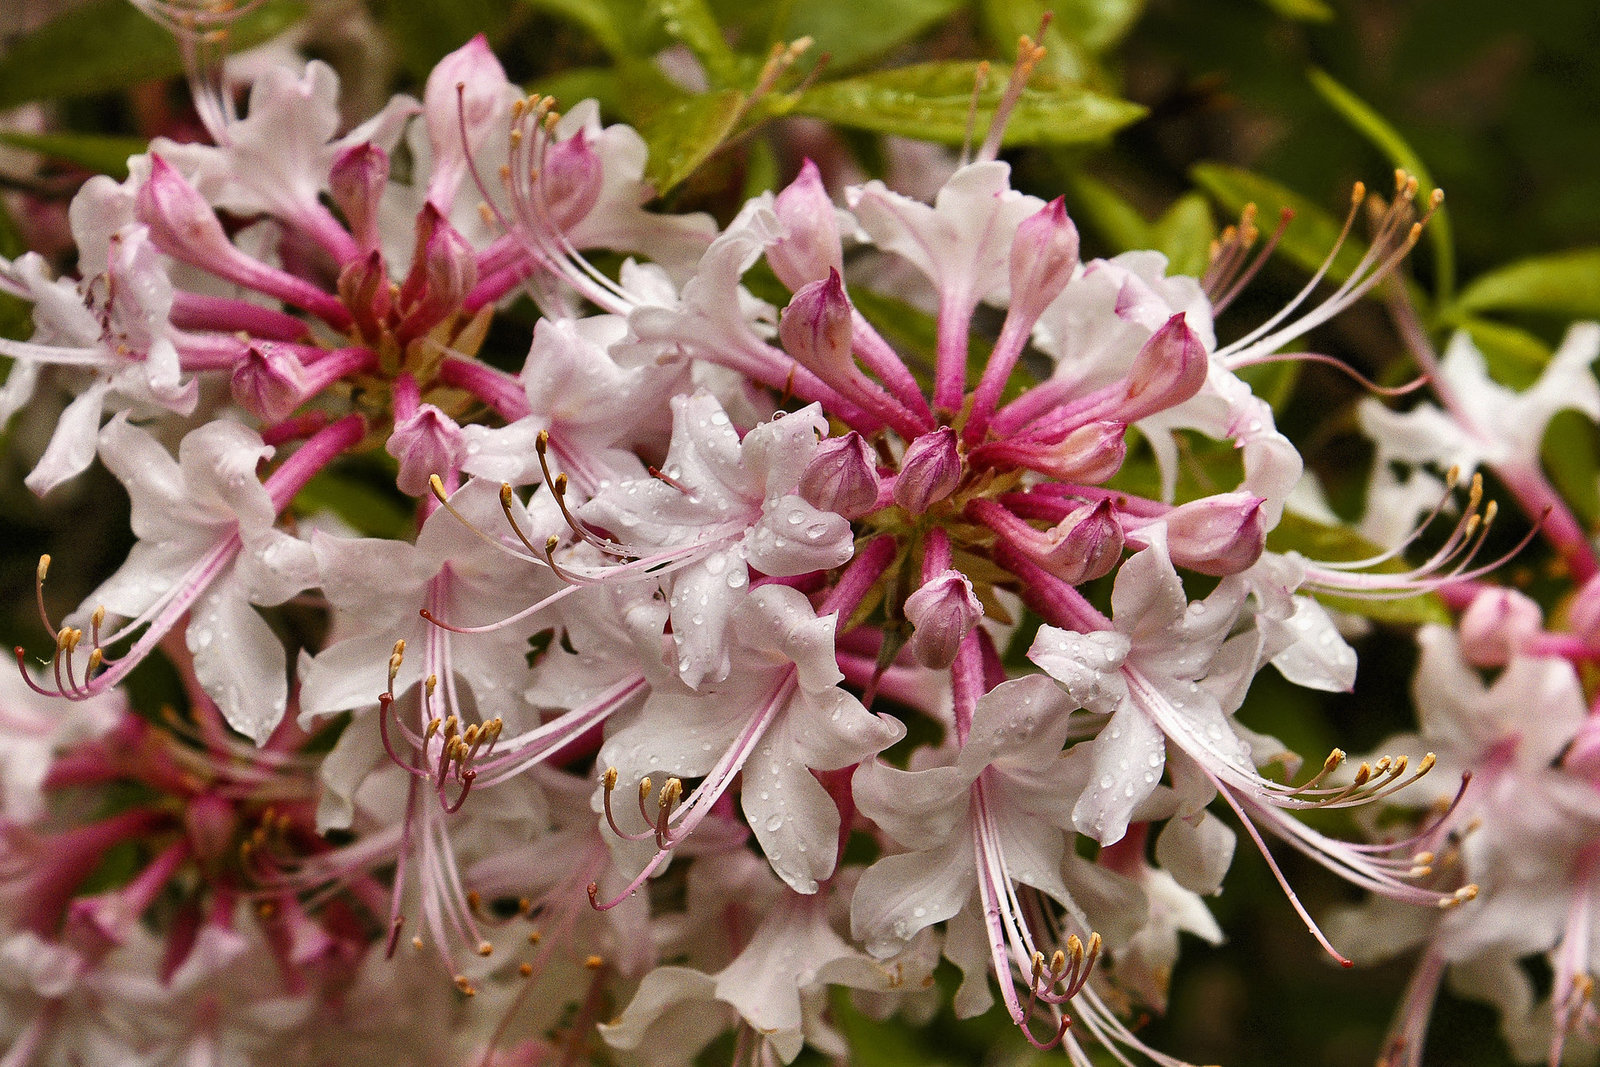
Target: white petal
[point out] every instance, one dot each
(793, 817)
(1128, 757)
(1196, 851)
(72, 446)
(238, 660)
(899, 895)
(1320, 658)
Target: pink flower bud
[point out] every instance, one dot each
(426, 443)
(816, 329)
(942, 613)
(929, 472)
(356, 183)
(364, 289)
(270, 382)
(1217, 535)
(1085, 545)
(1169, 369)
(809, 248)
(1043, 256)
(1583, 616)
(571, 180)
(1497, 624)
(842, 477)
(181, 223)
(443, 272)
(1089, 454)
(463, 95)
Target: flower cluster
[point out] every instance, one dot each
(737, 653)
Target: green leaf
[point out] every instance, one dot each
(683, 133)
(96, 152)
(1387, 140)
(691, 23)
(1311, 233)
(362, 505)
(851, 32)
(1570, 455)
(1302, 10)
(1566, 283)
(1108, 212)
(1339, 544)
(1066, 55)
(602, 84)
(1184, 234)
(1099, 24)
(604, 20)
(16, 314)
(107, 44)
(425, 33)
(1515, 357)
(930, 102)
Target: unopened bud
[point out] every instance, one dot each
(1089, 454)
(1497, 624)
(269, 381)
(426, 443)
(1043, 257)
(809, 247)
(571, 180)
(1217, 535)
(929, 471)
(180, 221)
(842, 477)
(463, 95)
(364, 289)
(1085, 545)
(443, 272)
(356, 183)
(816, 329)
(941, 614)
(1169, 369)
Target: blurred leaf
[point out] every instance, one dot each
(1339, 544)
(930, 101)
(607, 21)
(1108, 213)
(1566, 283)
(16, 314)
(1387, 140)
(602, 84)
(691, 22)
(1184, 234)
(1311, 233)
(1099, 24)
(373, 513)
(913, 333)
(1302, 10)
(96, 152)
(1570, 455)
(107, 44)
(1515, 357)
(1067, 56)
(851, 32)
(425, 33)
(683, 133)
